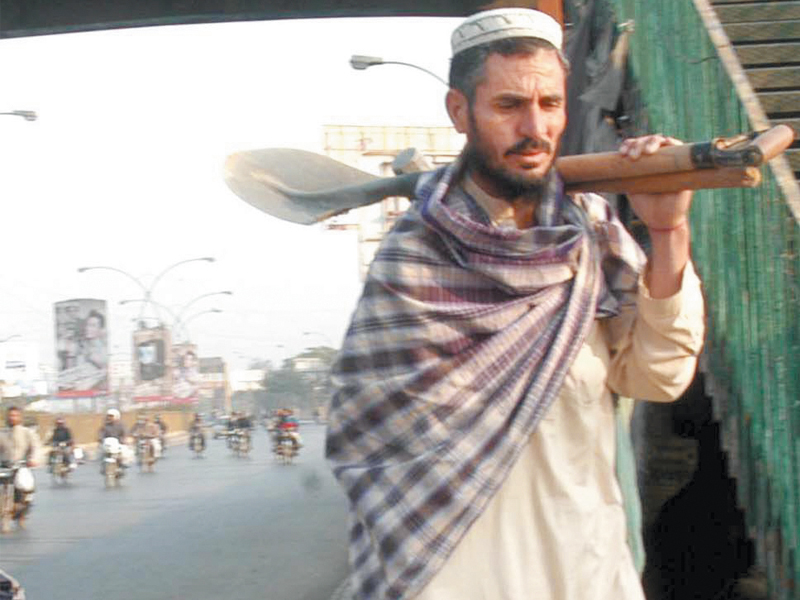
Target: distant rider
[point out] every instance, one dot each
(196, 429)
(112, 428)
(288, 427)
(152, 432)
(62, 434)
(162, 427)
(136, 430)
(19, 444)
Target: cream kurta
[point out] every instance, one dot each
(555, 530)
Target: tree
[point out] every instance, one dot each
(302, 382)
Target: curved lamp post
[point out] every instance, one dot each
(28, 115)
(178, 325)
(172, 266)
(361, 63)
(147, 290)
(193, 300)
(194, 316)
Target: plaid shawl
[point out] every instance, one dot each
(458, 346)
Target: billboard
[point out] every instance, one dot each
(185, 373)
(151, 364)
(81, 347)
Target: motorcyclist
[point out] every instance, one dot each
(244, 422)
(19, 444)
(162, 428)
(288, 427)
(151, 431)
(136, 430)
(61, 433)
(113, 428)
(233, 423)
(196, 429)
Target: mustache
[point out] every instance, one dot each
(528, 144)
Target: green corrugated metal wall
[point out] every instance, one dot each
(745, 245)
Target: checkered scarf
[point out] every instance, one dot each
(458, 346)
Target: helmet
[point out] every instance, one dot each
(113, 413)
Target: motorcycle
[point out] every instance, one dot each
(60, 466)
(240, 442)
(197, 444)
(286, 448)
(113, 469)
(147, 452)
(16, 494)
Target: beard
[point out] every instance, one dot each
(506, 183)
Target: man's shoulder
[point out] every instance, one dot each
(597, 208)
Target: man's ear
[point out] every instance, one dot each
(458, 109)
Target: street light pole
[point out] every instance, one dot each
(128, 275)
(172, 266)
(193, 300)
(361, 63)
(194, 316)
(28, 115)
(148, 291)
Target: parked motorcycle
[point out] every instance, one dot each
(16, 494)
(60, 466)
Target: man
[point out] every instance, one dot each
(112, 428)
(472, 425)
(19, 444)
(162, 438)
(197, 429)
(138, 427)
(152, 432)
(62, 434)
(287, 427)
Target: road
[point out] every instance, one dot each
(210, 528)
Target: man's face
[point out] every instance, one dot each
(14, 418)
(515, 122)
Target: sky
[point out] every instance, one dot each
(123, 168)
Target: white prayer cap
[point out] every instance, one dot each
(501, 23)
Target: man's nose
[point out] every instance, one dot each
(532, 123)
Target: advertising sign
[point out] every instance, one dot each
(185, 373)
(81, 347)
(151, 357)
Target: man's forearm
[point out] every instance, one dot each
(668, 257)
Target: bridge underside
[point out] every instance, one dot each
(22, 18)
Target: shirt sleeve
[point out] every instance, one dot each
(654, 345)
(34, 445)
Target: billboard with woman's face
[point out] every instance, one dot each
(151, 352)
(185, 372)
(81, 347)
